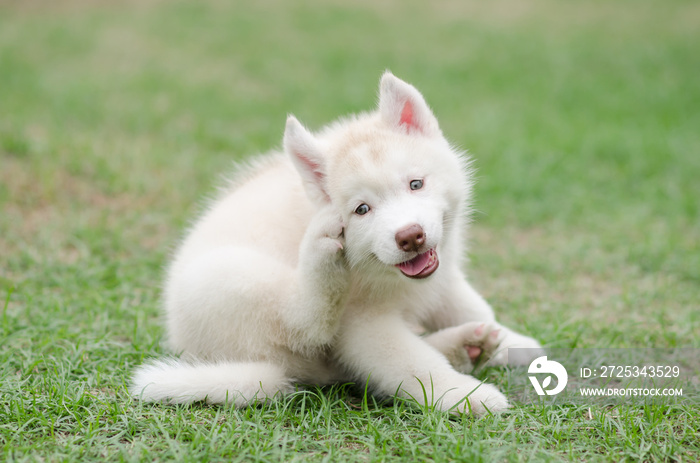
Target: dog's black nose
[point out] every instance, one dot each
(410, 238)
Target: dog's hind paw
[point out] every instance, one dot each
(466, 344)
(481, 339)
(524, 349)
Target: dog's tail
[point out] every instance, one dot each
(237, 383)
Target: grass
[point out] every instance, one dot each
(116, 121)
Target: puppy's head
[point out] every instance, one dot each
(399, 186)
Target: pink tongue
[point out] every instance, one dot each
(416, 265)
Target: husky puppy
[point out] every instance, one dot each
(337, 260)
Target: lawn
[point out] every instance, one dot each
(118, 119)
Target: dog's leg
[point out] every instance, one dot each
(321, 280)
(462, 304)
(464, 344)
(382, 350)
(238, 302)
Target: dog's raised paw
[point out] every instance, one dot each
(324, 241)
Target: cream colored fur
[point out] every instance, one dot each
(283, 281)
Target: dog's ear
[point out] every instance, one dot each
(307, 158)
(403, 108)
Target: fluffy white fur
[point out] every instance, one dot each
(284, 280)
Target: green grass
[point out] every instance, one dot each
(117, 120)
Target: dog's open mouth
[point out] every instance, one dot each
(421, 266)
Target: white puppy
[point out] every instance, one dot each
(339, 260)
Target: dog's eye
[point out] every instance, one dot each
(362, 209)
(416, 184)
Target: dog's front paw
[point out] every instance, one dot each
(324, 239)
(332, 239)
(487, 398)
(475, 397)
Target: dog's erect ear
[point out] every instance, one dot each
(307, 157)
(402, 107)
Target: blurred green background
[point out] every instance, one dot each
(117, 120)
